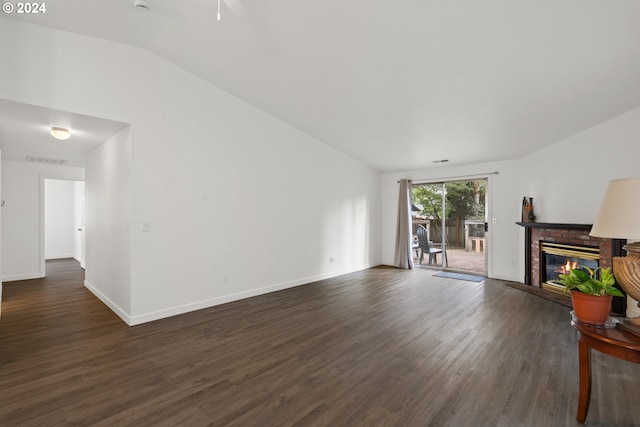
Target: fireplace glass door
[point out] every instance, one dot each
(559, 259)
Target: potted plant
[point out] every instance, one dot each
(591, 293)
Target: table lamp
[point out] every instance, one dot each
(619, 218)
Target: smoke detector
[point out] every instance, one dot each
(141, 5)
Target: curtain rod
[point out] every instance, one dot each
(435, 180)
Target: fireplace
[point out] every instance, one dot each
(569, 242)
(557, 259)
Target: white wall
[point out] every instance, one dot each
(21, 223)
(59, 234)
(228, 189)
(108, 237)
(567, 180)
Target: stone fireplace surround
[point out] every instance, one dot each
(572, 234)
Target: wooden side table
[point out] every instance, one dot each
(612, 341)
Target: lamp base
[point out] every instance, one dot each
(630, 325)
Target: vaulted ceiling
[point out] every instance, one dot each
(397, 85)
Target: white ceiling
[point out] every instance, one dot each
(25, 131)
(397, 84)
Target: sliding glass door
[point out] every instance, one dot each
(454, 215)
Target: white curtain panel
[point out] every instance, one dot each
(404, 257)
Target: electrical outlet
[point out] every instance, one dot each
(330, 260)
(225, 278)
(146, 225)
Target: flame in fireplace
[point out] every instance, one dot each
(564, 269)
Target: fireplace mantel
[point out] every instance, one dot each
(555, 225)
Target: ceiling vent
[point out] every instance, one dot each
(46, 160)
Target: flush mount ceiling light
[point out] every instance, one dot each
(141, 5)
(60, 133)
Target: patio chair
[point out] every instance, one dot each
(415, 246)
(425, 246)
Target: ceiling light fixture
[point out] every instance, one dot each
(60, 133)
(141, 5)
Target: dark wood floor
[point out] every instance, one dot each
(381, 347)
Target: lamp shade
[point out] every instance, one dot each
(619, 215)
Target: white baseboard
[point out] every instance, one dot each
(508, 278)
(113, 306)
(58, 257)
(17, 277)
(199, 305)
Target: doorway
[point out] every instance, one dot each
(454, 214)
(63, 217)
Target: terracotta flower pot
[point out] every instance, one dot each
(592, 309)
